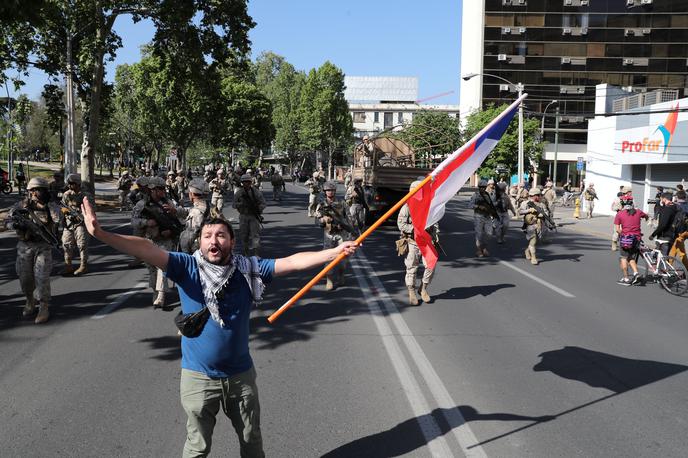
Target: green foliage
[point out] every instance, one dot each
(54, 105)
(432, 135)
(506, 151)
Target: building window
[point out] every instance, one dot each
(376, 117)
(400, 119)
(389, 120)
(359, 116)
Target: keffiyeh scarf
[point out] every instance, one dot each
(214, 278)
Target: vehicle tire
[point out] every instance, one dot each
(7, 188)
(674, 277)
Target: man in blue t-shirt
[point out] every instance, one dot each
(217, 370)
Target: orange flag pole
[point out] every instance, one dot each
(339, 258)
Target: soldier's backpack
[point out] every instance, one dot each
(680, 222)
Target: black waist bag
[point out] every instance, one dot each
(192, 324)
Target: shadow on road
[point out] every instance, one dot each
(406, 437)
(465, 292)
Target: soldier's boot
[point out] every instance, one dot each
(83, 268)
(43, 313)
(485, 252)
(68, 268)
(533, 259)
(30, 306)
(424, 293)
(413, 299)
(527, 253)
(159, 301)
(329, 286)
(479, 250)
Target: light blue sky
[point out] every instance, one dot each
(363, 38)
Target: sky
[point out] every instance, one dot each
(362, 37)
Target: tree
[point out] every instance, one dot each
(506, 151)
(432, 135)
(217, 30)
(282, 85)
(326, 125)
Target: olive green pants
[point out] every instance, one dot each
(202, 397)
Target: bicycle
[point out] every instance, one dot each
(568, 199)
(669, 271)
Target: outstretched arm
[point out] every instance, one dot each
(135, 246)
(308, 259)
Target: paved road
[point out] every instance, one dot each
(508, 359)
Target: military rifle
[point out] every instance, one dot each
(165, 221)
(337, 220)
(543, 216)
(489, 208)
(23, 218)
(253, 207)
(72, 217)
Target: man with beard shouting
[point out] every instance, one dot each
(217, 369)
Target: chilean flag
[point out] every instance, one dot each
(427, 204)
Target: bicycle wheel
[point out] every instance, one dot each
(673, 276)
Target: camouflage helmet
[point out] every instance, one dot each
(490, 182)
(142, 181)
(58, 173)
(330, 186)
(246, 177)
(125, 172)
(36, 183)
(156, 182)
(171, 172)
(199, 186)
(534, 192)
(74, 178)
(482, 184)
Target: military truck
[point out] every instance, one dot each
(387, 167)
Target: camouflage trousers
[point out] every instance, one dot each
(73, 239)
(218, 201)
(502, 225)
(483, 229)
(412, 262)
(277, 193)
(590, 206)
(156, 277)
(332, 240)
(34, 264)
(123, 199)
(312, 204)
(357, 213)
(249, 234)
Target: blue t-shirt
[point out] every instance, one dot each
(218, 352)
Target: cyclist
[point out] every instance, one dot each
(627, 225)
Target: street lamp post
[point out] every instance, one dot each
(519, 88)
(556, 136)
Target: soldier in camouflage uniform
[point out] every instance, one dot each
(75, 235)
(166, 238)
(57, 187)
(250, 204)
(504, 206)
(413, 256)
(532, 211)
(194, 216)
(181, 185)
(314, 188)
(277, 183)
(219, 186)
(124, 184)
(36, 221)
(484, 214)
(333, 215)
(355, 199)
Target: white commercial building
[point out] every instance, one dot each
(645, 147)
(378, 103)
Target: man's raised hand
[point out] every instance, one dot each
(90, 219)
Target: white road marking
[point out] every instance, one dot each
(537, 279)
(430, 429)
(119, 301)
(460, 428)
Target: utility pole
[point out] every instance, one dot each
(556, 146)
